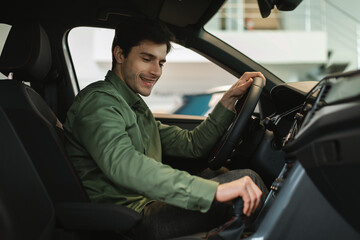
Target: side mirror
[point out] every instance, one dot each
(265, 6)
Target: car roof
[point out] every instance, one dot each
(105, 13)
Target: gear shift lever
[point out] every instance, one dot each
(233, 229)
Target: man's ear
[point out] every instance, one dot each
(118, 54)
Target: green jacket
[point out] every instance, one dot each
(116, 147)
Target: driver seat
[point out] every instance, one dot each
(27, 55)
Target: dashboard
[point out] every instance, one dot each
(316, 194)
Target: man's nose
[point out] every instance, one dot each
(156, 69)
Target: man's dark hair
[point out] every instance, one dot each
(133, 31)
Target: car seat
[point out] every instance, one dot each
(27, 55)
(26, 209)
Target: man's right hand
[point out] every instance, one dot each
(244, 188)
(239, 89)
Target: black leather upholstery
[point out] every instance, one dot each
(26, 52)
(26, 211)
(35, 124)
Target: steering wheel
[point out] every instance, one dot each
(229, 141)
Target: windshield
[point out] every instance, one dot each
(316, 39)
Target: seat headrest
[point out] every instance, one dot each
(26, 53)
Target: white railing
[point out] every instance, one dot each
(235, 13)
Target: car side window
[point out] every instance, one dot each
(189, 81)
(4, 32)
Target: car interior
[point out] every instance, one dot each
(304, 144)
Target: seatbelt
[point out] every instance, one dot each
(51, 96)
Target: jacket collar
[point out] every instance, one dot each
(132, 99)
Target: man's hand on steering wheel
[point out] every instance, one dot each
(239, 89)
(249, 88)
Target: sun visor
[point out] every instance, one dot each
(184, 12)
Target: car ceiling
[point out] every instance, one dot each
(106, 13)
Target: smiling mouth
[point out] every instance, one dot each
(149, 82)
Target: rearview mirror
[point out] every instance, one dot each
(265, 6)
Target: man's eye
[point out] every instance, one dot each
(146, 59)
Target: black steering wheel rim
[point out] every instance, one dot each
(232, 136)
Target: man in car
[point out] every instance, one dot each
(116, 145)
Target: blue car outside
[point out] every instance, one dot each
(195, 105)
(201, 104)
